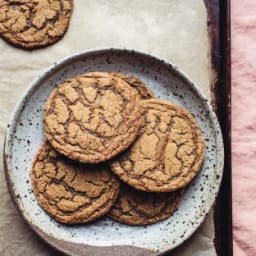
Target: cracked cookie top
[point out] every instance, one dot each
(168, 152)
(71, 192)
(141, 89)
(92, 117)
(34, 23)
(141, 208)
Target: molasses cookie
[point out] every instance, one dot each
(142, 90)
(139, 87)
(135, 207)
(71, 192)
(168, 152)
(92, 118)
(34, 23)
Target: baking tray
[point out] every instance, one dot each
(219, 33)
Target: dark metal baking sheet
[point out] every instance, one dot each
(219, 32)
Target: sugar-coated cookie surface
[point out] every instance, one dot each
(168, 152)
(71, 192)
(92, 117)
(33, 24)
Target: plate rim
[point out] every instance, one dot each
(54, 242)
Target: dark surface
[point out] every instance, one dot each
(219, 30)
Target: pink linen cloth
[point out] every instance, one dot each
(243, 34)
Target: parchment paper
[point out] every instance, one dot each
(172, 29)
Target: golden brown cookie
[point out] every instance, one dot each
(92, 118)
(70, 192)
(33, 24)
(141, 208)
(142, 90)
(167, 154)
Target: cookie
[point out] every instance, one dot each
(135, 207)
(71, 192)
(141, 89)
(92, 118)
(33, 24)
(168, 152)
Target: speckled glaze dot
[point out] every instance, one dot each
(166, 82)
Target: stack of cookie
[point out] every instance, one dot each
(113, 149)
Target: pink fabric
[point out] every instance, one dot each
(243, 32)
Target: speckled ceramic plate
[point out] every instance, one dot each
(105, 236)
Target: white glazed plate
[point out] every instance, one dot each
(107, 237)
